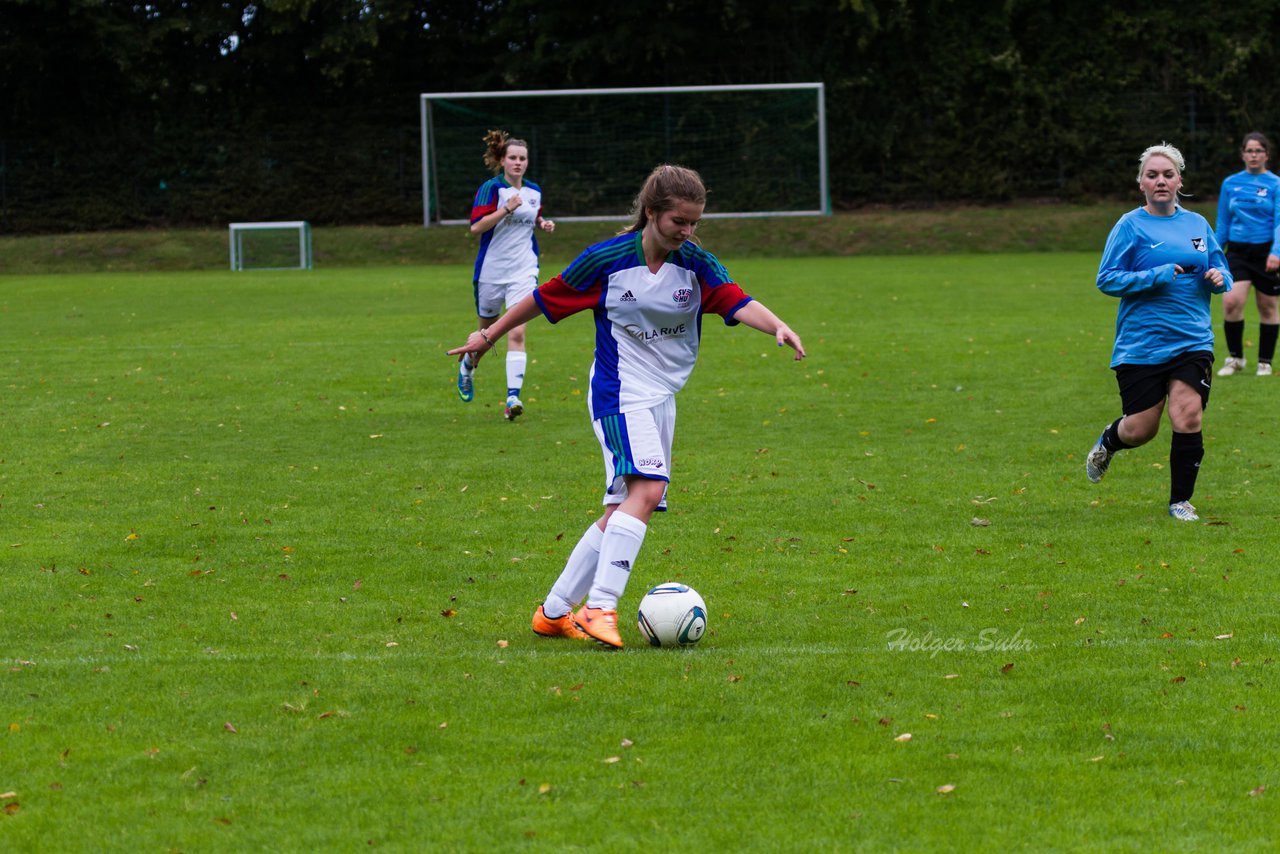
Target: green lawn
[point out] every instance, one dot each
(267, 583)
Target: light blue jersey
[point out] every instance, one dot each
(1247, 209)
(1162, 314)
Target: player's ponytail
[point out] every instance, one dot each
(496, 143)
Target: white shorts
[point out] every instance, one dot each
(490, 297)
(636, 443)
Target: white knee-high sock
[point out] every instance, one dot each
(575, 579)
(516, 362)
(623, 537)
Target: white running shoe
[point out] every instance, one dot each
(1098, 461)
(514, 408)
(1231, 366)
(1264, 369)
(1183, 512)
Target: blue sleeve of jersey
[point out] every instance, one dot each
(584, 270)
(1219, 260)
(1275, 218)
(1223, 227)
(1115, 278)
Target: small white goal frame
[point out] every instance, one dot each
(822, 202)
(236, 232)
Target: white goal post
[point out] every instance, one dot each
(761, 148)
(270, 245)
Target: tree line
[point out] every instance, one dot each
(121, 114)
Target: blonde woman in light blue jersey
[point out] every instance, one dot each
(1163, 262)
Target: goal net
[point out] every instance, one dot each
(270, 245)
(761, 149)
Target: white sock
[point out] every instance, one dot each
(467, 367)
(575, 578)
(623, 537)
(516, 360)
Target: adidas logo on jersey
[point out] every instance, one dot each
(627, 297)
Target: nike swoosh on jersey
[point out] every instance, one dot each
(1154, 245)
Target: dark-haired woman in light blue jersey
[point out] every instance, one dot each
(1163, 262)
(1249, 228)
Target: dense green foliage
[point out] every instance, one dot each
(117, 114)
(267, 582)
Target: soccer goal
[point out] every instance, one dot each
(270, 245)
(762, 149)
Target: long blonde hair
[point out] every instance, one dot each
(666, 186)
(496, 143)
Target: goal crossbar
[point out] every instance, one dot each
(430, 170)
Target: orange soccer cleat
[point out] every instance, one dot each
(599, 624)
(560, 627)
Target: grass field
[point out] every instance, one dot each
(1020, 228)
(267, 582)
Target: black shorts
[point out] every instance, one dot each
(1248, 263)
(1143, 386)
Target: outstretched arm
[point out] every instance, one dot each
(484, 339)
(758, 316)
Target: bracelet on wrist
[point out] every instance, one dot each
(486, 338)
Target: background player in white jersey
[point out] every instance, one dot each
(648, 288)
(1248, 228)
(1163, 262)
(507, 215)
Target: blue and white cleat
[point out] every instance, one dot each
(466, 387)
(1183, 512)
(514, 408)
(1098, 461)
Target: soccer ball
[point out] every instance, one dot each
(672, 614)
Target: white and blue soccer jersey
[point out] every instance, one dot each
(1162, 314)
(509, 250)
(648, 325)
(1247, 209)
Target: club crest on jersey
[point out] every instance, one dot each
(1197, 243)
(1262, 192)
(681, 296)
